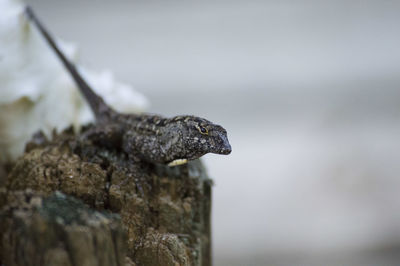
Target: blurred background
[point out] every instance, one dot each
(309, 92)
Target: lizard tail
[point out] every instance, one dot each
(96, 103)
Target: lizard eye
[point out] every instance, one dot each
(202, 130)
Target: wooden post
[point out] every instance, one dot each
(165, 212)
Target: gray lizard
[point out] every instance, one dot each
(147, 137)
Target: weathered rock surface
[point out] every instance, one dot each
(165, 211)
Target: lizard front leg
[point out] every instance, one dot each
(144, 147)
(151, 149)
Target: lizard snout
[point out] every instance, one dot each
(226, 151)
(224, 145)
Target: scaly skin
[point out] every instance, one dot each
(146, 137)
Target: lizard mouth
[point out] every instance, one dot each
(224, 147)
(226, 150)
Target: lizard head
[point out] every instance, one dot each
(200, 136)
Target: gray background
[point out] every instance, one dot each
(309, 93)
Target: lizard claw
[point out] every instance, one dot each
(178, 162)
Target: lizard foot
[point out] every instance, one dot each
(178, 162)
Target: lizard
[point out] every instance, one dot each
(144, 137)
